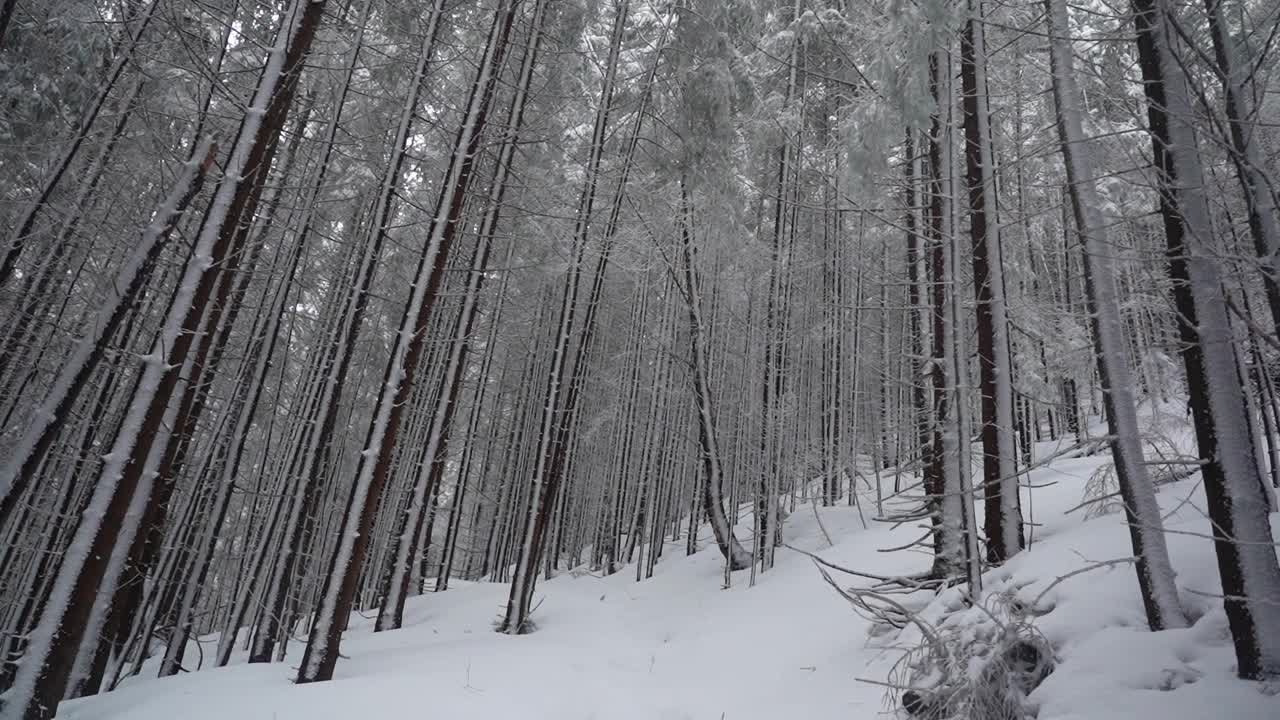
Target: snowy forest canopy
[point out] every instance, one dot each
(311, 306)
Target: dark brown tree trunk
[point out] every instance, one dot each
(63, 626)
(1003, 528)
(1234, 489)
(337, 594)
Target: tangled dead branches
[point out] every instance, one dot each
(979, 663)
(975, 662)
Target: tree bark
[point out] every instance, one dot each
(1146, 528)
(86, 570)
(337, 594)
(1235, 491)
(1004, 532)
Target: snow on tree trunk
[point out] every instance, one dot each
(945, 456)
(1146, 528)
(1000, 481)
(38, 436)
(1251, 169)
(1237, 506)
(47, 664)
(557, 409)
(347, 561)
(736, 557)
(246, 406)
(390, 615)
(313, 448)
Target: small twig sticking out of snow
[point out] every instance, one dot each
(853, 493)
(1184, 502)
(1080, 571)
(468, 685)
(826, 535)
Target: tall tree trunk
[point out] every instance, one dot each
(1146, 529)
(312, 455)
(944, 457)
(1004, 530)
(261, 355)
(348, 558)
(391, 614)
(776, 309)
(144, 551)
(1236, 494)
(1250, 166)
(712, 491)
(73, 377)
(86, 570)
(922, 419)
(565, 378)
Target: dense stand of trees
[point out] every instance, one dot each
(309, 307)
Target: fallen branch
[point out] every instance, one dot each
(1080, 571)
(899, 580)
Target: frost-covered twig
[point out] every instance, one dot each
(901, 617)
(826, 535)
(897, 579)
(1080, 571)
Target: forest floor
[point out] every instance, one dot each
(681, 647)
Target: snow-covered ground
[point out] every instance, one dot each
(681, 647)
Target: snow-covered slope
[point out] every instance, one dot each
(679, 646)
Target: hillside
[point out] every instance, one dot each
(681, 647)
